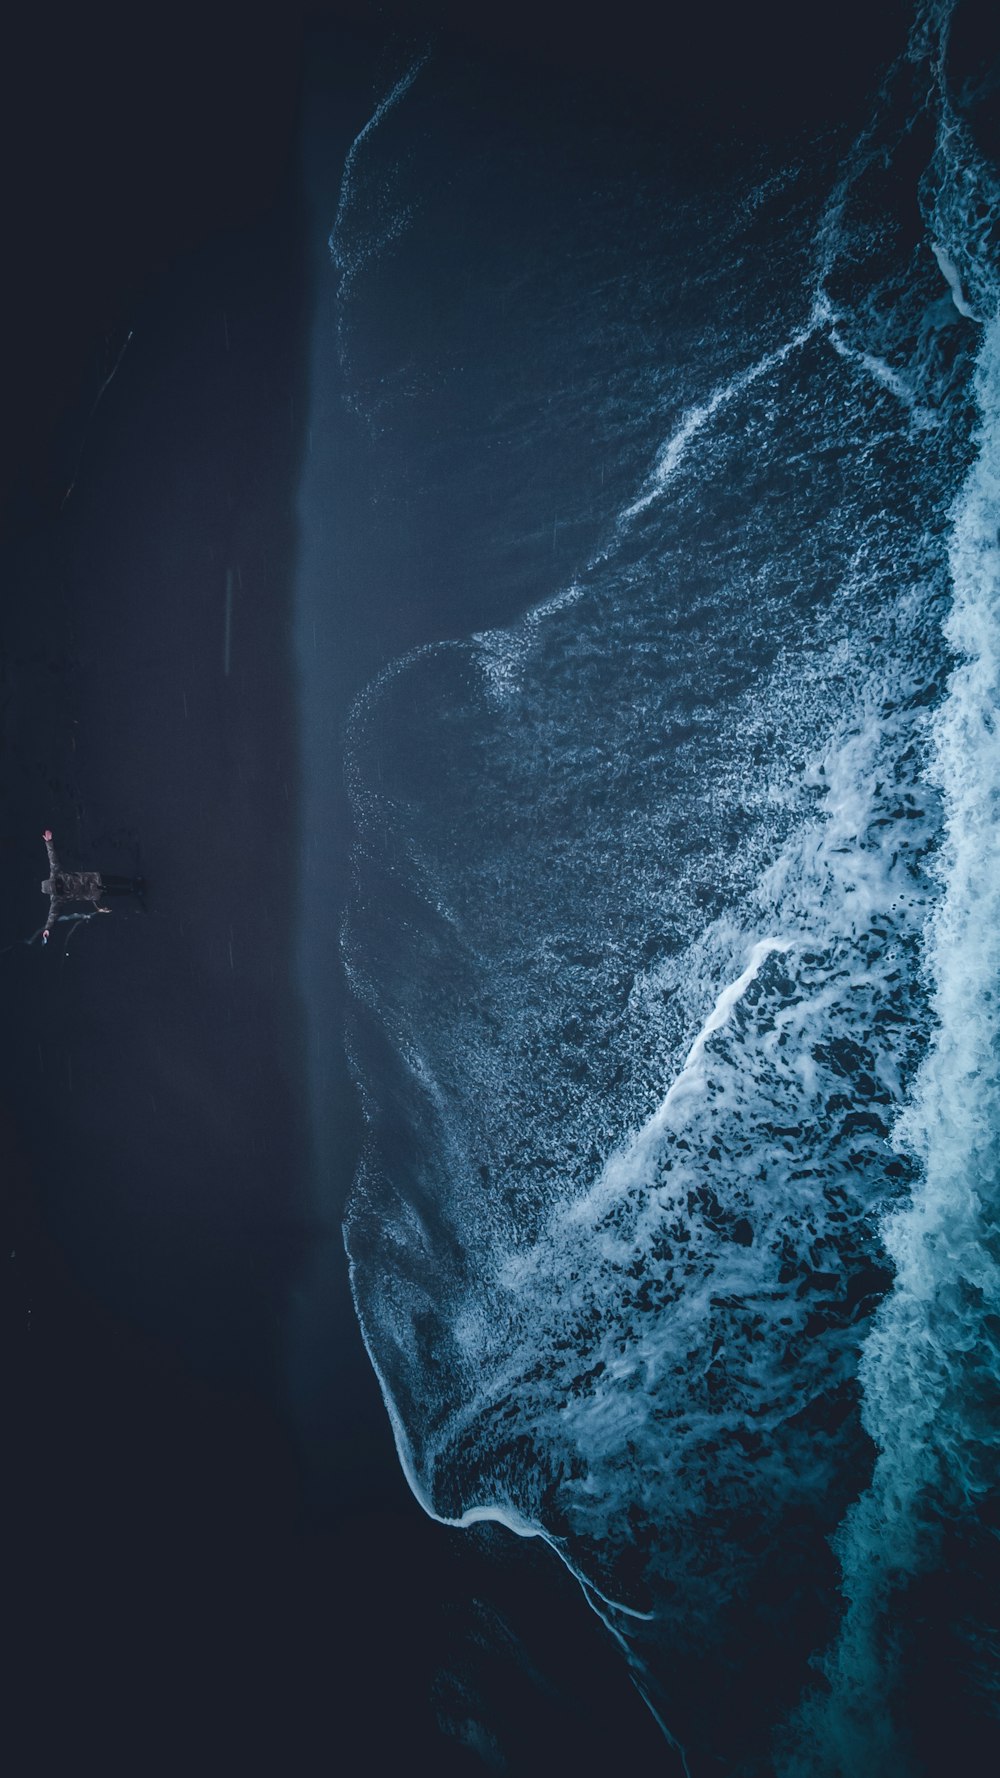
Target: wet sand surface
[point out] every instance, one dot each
(192, 1587)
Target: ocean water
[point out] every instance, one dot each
(673, 934)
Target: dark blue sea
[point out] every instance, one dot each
(658, 465)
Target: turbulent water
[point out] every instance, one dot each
(675, 936)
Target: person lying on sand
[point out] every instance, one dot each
(63, 886)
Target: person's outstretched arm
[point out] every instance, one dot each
(56, 903)
(50, 849)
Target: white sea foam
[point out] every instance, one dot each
(638, 1161)
(949, 272)
(672, 454)
(347, 256)
(932, 1362)
(365, 224)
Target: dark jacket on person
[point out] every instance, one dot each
(63, 886)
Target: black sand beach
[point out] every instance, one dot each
(189, 1588)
